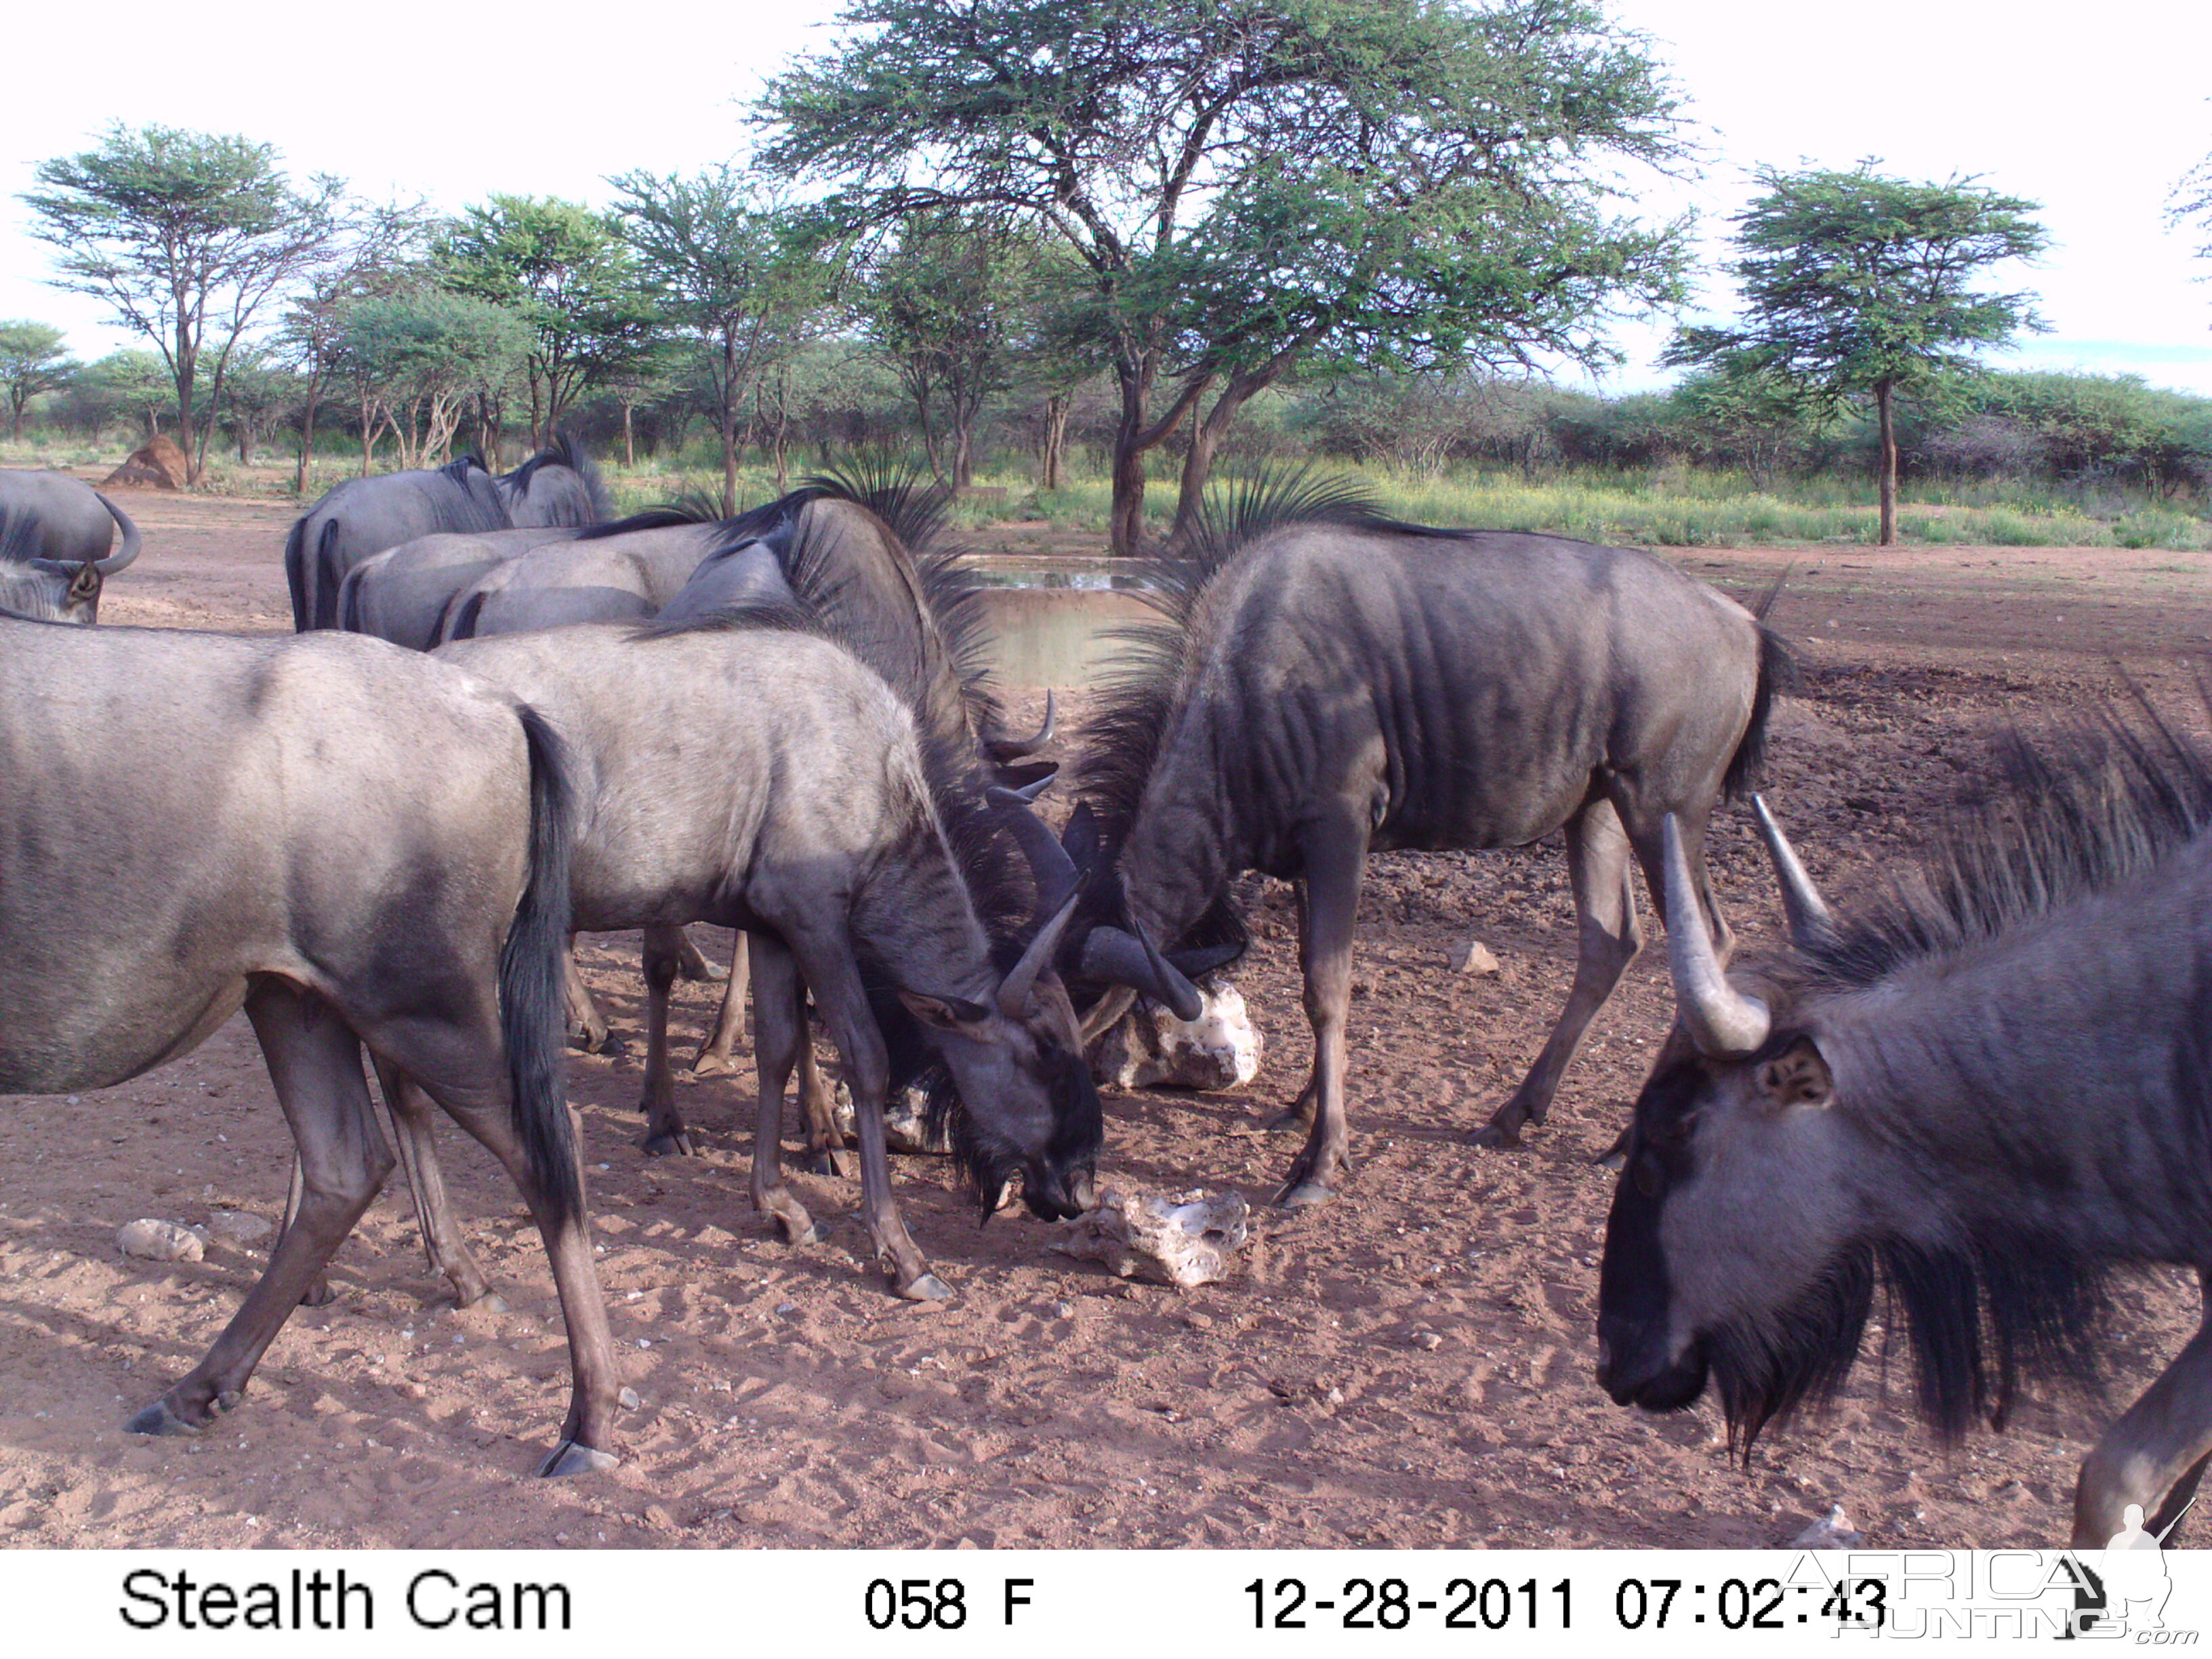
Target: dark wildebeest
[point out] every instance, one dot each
(361, 517)
(207, 772)
(1987, 1091)
(57, 533)
(737, 771)
(1331, 682)
(41, 588)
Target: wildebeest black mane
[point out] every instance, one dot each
(2080, 812)
(565, 451)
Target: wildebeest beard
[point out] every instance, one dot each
(1975, 1318)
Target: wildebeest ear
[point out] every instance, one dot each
(955, 1014)
(1080, 839)
(1796, 1077)
(85, 587)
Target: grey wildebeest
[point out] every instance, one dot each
(361, 517)
(739, 770)
(57, 532)
(1987, 1091)
(167, 859)
(1330, 681)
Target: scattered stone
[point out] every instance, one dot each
(161, 1240)
(1428, 1340)
(239, 1226)
(1833, 1532)
(627, 1399)
(1182, 1238)
(1220, 1049)
(1474, 957)
(906, 1127)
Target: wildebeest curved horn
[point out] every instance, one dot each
(1013, 749)
(1014, 990)
(1722, 1021)
(1116, 958)
(1057, 877)
(1028, 781)
(132, 540)
(1809, 921)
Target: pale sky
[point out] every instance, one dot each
(2094, 112)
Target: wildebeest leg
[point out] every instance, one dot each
(692, 963)
(714, 1059)
(826, 1153)
(588, 1433)
(587, 1023)
(838, 993)
(1608, 938)
(664, 1126)
(778, 1028)
(418, 1155)
(1333, 851)
(314, 1061)
(319, 1293)
(2156, 1454)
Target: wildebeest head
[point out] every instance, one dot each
(1017, 1062)
(42, 589)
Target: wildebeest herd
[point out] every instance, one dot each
(1983, 1093)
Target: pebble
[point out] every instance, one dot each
(161, 1240)
(1428, 1340)
(1474, 958)
(1834, 1532)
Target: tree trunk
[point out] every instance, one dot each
(1206, 437)
(630, 445)
(16, 420)
(1881, 403)
(308, 436)
(367, 434)
(1055, 438)
(728, 425)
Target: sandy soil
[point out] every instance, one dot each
(1409, 1365)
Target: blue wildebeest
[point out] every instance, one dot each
(1330, 681)
(42, 588)
(361, 517)
(1987, 1091)
(209, 770)
(55, 531)
(736, 770)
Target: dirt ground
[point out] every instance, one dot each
(1409, 1365)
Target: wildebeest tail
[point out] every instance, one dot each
(530, 979)
(1777, 678)
(295, 571)
(461, 624)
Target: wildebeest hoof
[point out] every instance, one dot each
(158, 1418)
(1495, 1135)
(700, 971)
(570, 1458)
(677, 1144)
(713, 1065)
(929, 1287)
(319, 1295)
(489, 1301)
(1302, 1194)
(226, 1402)
(1293, 1117)
(828, 1161)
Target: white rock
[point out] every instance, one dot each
(1833, 1532)
(239, 1226)
(1220, 1049)
(1474, 957)
(1179, 1238)
(161, 1240)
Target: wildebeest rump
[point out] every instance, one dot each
(361, 517)
(169, 857)
(1330, 681)
(1987, 1091)
(735, 771)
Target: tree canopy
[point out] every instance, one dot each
(33, 358)
(185, 235)
(1253, 182)
(1856, 285)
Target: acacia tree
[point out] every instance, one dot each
(1249, 182)
(375, 251)
(32, 360)
(2191, 199)
(565, 271)
(185, 235)
(416, 359)
(1856, 286)
(741, 269)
